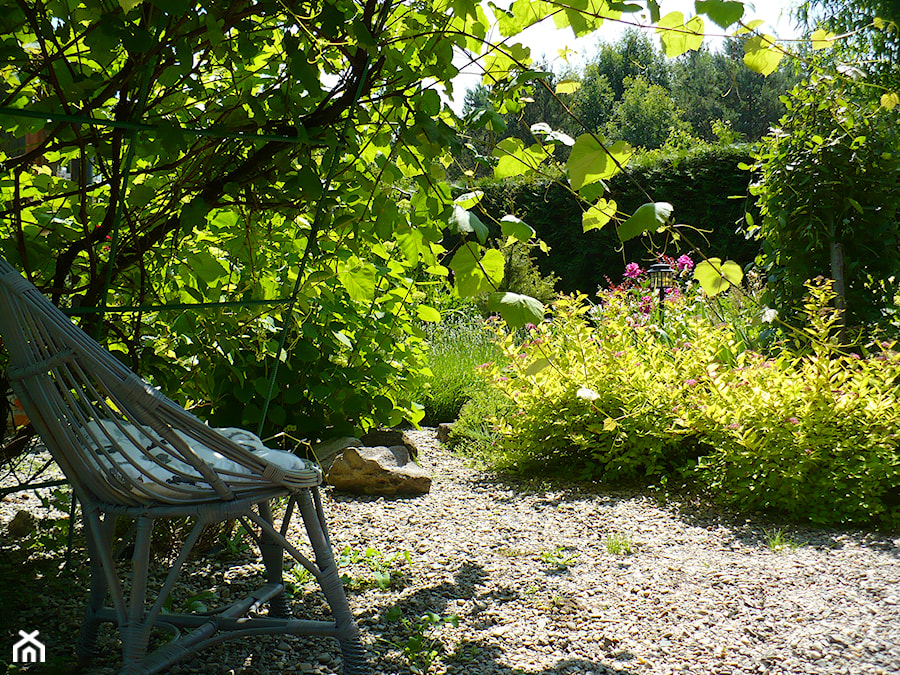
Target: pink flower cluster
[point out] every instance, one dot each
(684, 263)
(633, 270)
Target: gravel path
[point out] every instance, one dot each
(541, 582)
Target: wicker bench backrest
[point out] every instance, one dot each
(117, 439)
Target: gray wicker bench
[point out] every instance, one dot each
(130, 452)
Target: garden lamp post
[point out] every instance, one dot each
(662, 277)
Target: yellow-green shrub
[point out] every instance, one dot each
(597, 392)
(814, 436)
(604, 393)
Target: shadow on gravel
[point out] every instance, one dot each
(479, 655)
(552, 492)
(750, 530)
(430, 599)
(765, 531)
(484, 657)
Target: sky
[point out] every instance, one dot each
(545, 40)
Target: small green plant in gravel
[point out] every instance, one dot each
(618, 544)
(561, 558)
(296, 578)
(421, 648)
(778, 541)
(385, 569)
(193, 604)
(562, 604)
(234, 544)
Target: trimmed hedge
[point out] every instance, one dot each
(698, 183)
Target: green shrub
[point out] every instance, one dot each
(814, 437)
(828, 192)
(216, 362)
(476, 433)
(604, 393)
(521, 274)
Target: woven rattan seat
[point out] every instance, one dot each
(130, 452)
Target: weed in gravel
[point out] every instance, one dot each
(383, 568)
(779, 542)
(562, 604)
(296, 578)
(560, 558)
(195, 603)
(619, 544)
(235, 544)
(421, 648)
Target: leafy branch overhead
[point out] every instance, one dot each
(266, 183)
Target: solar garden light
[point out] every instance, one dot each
(662, 277)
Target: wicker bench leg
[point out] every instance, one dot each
(355, 661)
(86, 647)
(273, 557)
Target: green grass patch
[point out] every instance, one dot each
(460, 350)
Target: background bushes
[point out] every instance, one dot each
(700, 184)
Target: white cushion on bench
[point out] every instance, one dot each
(127, 446)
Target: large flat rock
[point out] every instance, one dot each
(378, 470)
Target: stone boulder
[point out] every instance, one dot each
(443, 431)
(379, 470)
(389, 438)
